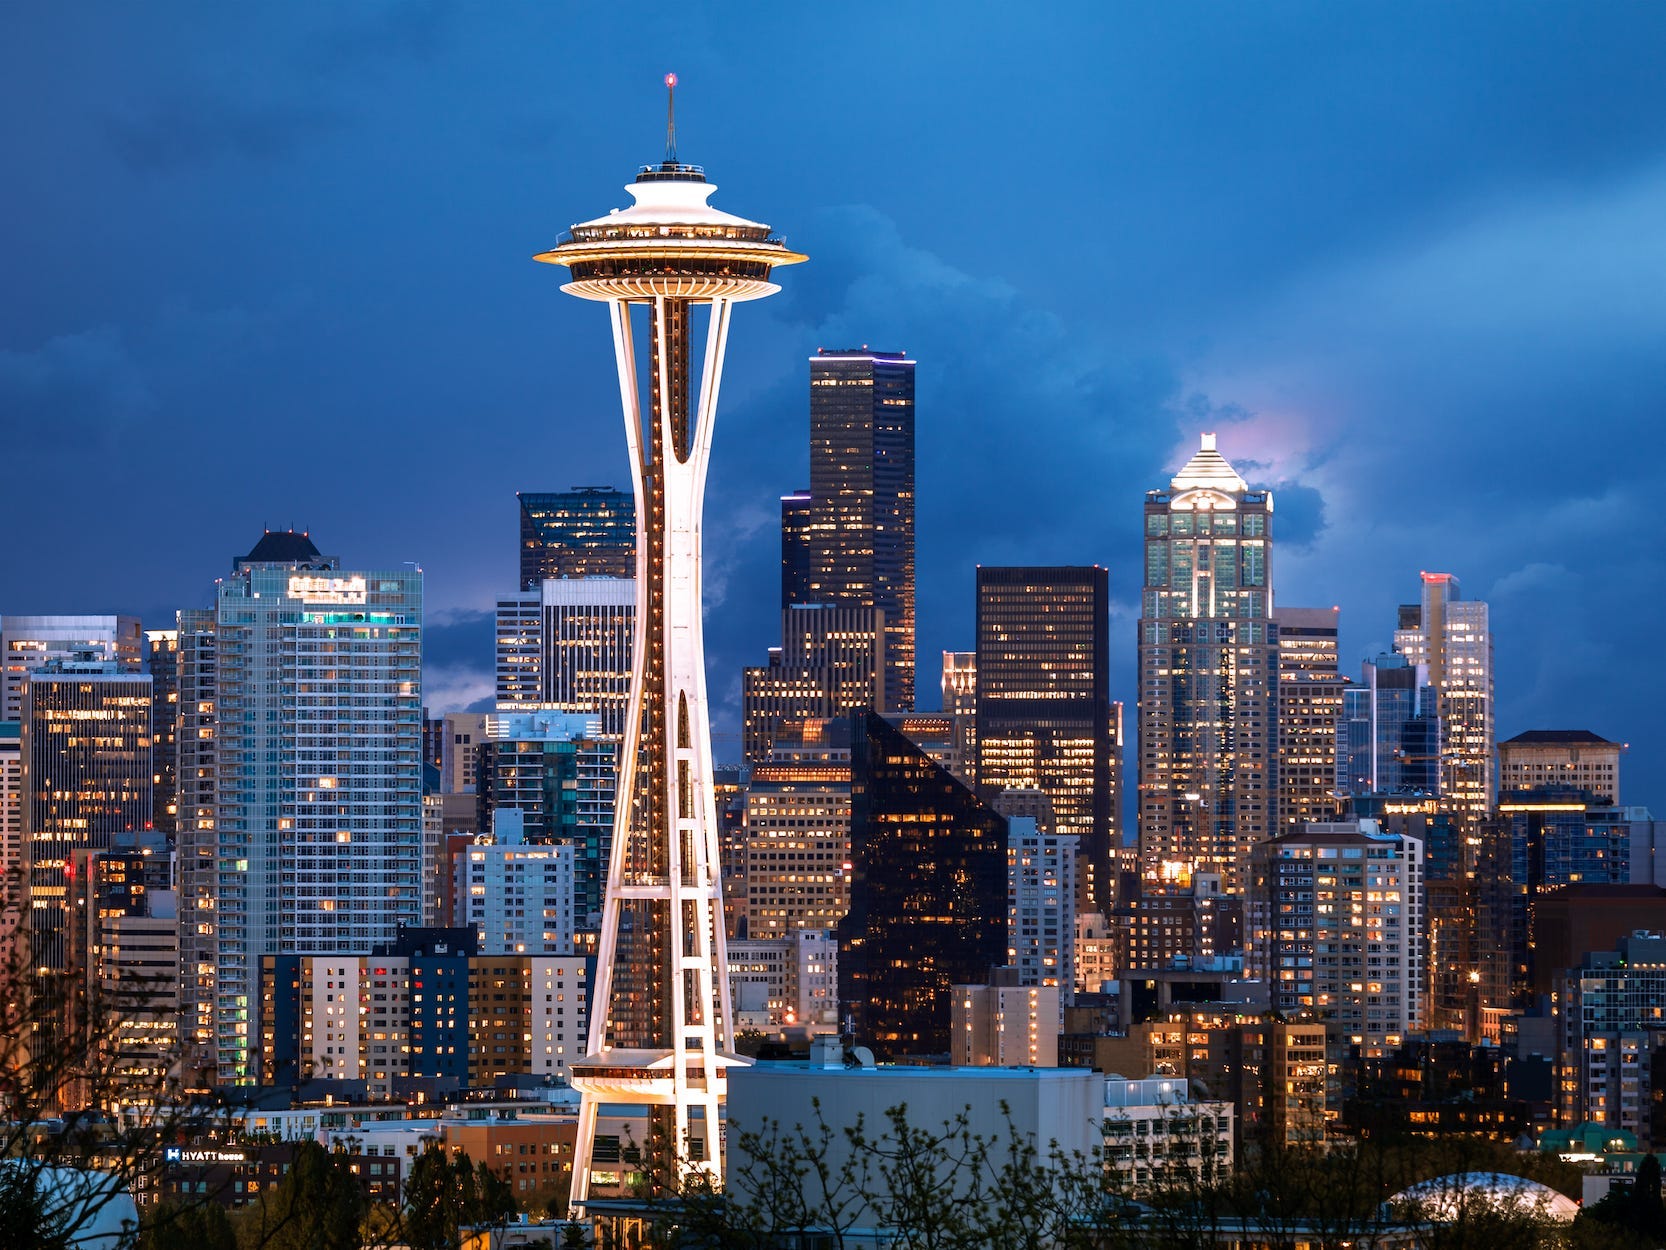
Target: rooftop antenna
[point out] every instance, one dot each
(670, 119)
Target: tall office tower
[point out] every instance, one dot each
(830, 661)
(589, 531)
(29, 642)
(661, 1027)
(1574, 758)
(1450, 635)
(162, 663)
(518, 895)
(960, 700)
(861, 528)
(1336, 919)
(1208, 672)
(797, 834)
(1613, 1040)
(565, 646)
(927, 896)
(1043, 703)
(557, 772)
(796, 519)
(86, 780)
(1041, 906)
(308, 677)
(1310, 691)
(1540, 840)
(1390, 737)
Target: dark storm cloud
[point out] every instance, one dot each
(1408, 261)
(77, 390)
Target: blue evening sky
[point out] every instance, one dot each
(270, 266)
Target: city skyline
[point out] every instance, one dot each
(1389, 315)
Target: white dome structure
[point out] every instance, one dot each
(94, 1209)
(1444, 1198)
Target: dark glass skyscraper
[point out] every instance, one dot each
(860, 536)
(589, 531)
(928, 894)
(1043, 702)
(795, 548)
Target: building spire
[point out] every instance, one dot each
(670, 119)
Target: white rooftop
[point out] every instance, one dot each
(1209, 470)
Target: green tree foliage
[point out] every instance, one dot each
(317, 1206)
(445, 1194)
(194, 1226)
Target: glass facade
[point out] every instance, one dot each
(928, 895)
(586, 532)
(1043, 709)
(1208, 674)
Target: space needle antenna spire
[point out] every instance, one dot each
(671, 119)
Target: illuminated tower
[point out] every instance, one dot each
(1208, 673)
(661, 1029)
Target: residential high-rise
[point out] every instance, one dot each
(1043, 703)
(565, 646)
(1450, 635)
(11, 820)
(589, 531)
(797, 835)
(1208, 671)
(928, 894)
(831, 661)
(1574, 758)
(661, 1024)
(1310, 690)
(517, 895)
(1336, 919)
(29, 642)
(860, 535)
(556, 772)
(305, 802)
(86, 781)
(162, 663)
(1041, 906)
(1390, 731)
(1613, 1039)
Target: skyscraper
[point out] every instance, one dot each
(796, 518)
(661, 1029)
(831, 660)
(1560, 757)
(162, 663)
(1309, 716)
(589, 531)
(1390, 731)
(565, 646)
(860, 534)
(1208, 673)
(1450, 635)
(1336, 917)
(1043, 703)
(312, 838)
(928, 895)
(29, 642)
(86, 763)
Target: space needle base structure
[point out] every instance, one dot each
(661, 1025)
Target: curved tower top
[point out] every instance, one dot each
(670, 242)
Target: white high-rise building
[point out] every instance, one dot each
(1041, 906)
(301, 800)
(30, 642)
(1338, 927)
(518, 897)
(565, 646)
(1451, 637)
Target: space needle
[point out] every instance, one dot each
(661, 1025)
